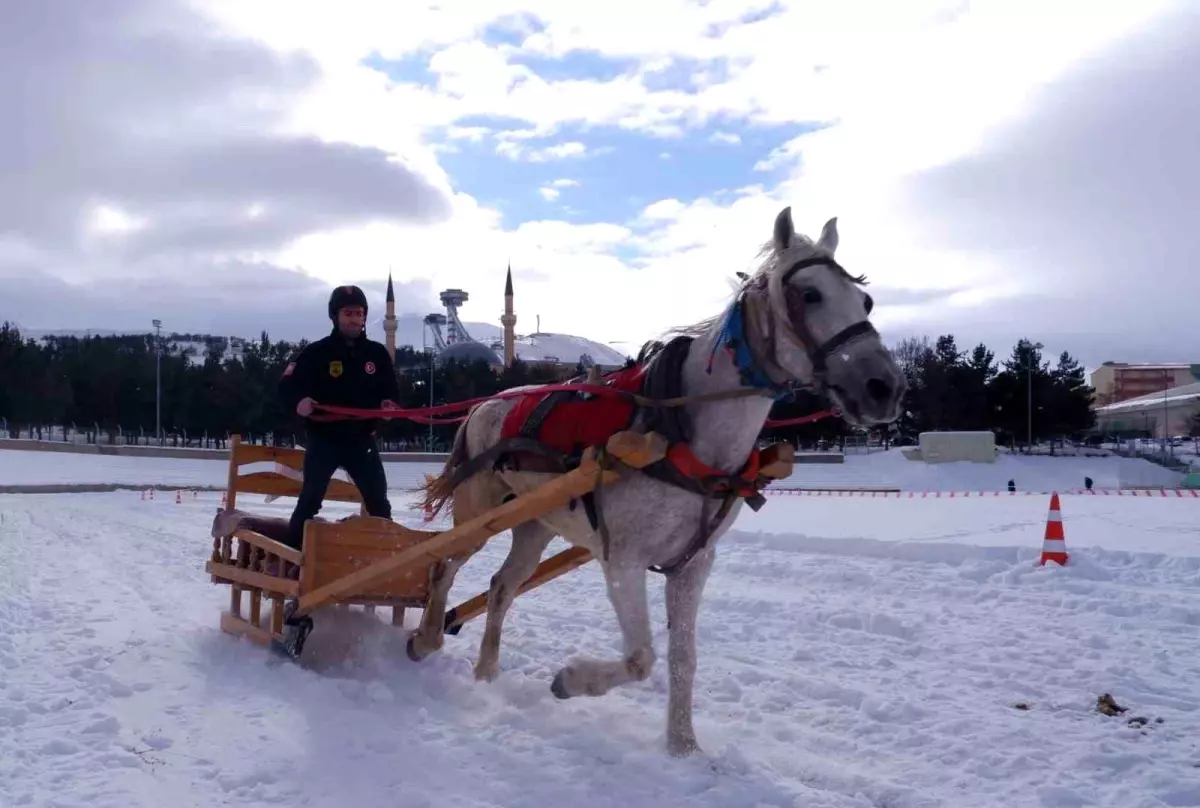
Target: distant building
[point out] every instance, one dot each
(1121, 381)
(1165, 414)
(468, 352)
(452, 341)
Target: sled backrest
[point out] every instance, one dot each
(284, 480)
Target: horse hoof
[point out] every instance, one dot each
(558, 688)
(685, 748)
(411, 649)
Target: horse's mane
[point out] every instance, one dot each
(768, 258)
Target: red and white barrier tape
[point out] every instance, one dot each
(1169, 493)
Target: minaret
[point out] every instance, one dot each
(389, 321)
(509, 321)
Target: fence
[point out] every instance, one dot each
(95, 435)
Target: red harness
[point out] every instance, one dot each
(571, 425)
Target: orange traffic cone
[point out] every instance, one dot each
(1054, 546)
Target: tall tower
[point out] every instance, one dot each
(389, 321)
(509, 321)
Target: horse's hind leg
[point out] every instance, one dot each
(595, 677)
(684, 590)
(529, 541)
(430, 635)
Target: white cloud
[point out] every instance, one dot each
(901, 89)
(514, 150)
(553, 190)
(728, 138)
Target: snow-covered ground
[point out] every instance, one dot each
(852, 652)
(875, 470)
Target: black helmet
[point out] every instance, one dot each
(346, 296)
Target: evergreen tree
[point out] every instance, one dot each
(1071, 410)
(224, 385)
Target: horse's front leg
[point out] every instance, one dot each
(595, 677)
(684, 591)
(529, 541)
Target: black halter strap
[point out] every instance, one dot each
(819, 354)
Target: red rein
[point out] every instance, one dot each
(428, 415)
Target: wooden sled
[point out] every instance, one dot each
(377, 562)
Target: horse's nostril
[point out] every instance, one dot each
(879, 389)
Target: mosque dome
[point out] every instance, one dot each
(469, 352)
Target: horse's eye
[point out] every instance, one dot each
(868, 302)
(812, 297)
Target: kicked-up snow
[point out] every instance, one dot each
(855, 651)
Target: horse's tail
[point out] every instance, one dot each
(437, 491)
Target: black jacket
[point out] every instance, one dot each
(332, 370)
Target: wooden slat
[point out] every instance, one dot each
(384, 601)
(338, 549)
(240, 628)
(274, 484)
(361, 535)
(553, 567)
(269, 545)
(242, 454)
(411, 582)
(629, 448)
(284, 586)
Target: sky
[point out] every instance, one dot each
(999, 169)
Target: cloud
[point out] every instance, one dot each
(982, 158)
(143, 149)
(232, 299)
(514, 150)
(1087, 202)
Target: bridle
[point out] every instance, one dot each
(818, 353)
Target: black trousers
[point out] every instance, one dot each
(359, 456)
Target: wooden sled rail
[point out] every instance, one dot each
(628, 448)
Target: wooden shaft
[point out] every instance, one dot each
(630, 448)
(553, 567)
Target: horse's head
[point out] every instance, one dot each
(815, 329)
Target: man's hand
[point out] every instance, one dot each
(388, 404)
(305, 407)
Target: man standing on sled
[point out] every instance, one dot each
(342, 369)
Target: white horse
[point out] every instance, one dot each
(800, 320)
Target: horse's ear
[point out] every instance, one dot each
(783, 229)
(829, 236)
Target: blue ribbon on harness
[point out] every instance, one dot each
(732, 337)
